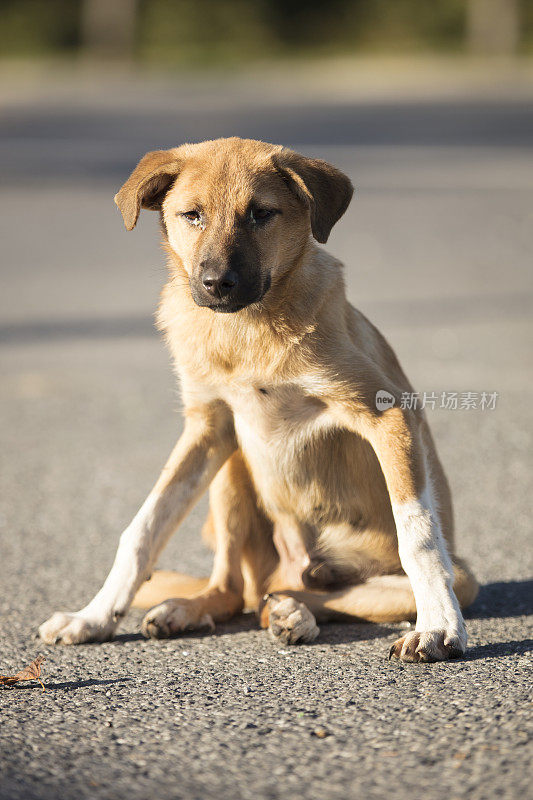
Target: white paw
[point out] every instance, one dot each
(429, 646)
(64, 628)
(291, 622)
(174, 617)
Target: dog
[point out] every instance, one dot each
(324, 504)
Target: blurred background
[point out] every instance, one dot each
(428, 106)
(208, 33)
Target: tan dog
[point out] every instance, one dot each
(330, 505)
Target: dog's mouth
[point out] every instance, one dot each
(232, 308)
(227, 308)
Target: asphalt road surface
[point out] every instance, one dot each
(438, 251)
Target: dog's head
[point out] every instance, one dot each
(237, 212)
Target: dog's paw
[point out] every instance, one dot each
(174, 617)
(428, 646)
(75, 628)
(291, 622)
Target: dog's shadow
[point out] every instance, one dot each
(502, 599)
(499, 649)
(348, 632)
(341, 632)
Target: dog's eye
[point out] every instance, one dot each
(260, 215)
(193, 217)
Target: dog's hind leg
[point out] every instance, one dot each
(384, 598)
(291, 615)
(232, 526)
(167, 583)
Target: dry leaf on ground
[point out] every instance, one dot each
(30, 673)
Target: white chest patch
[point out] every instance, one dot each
(274, 422)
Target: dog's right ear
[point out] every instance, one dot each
(148, 184)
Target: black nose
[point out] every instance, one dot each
(220, 285)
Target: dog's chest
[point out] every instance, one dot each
(273, 423)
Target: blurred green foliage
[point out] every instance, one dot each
(230, 30)
(36, 28)
(210, 32)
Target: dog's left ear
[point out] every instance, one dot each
(324, 189)
(148, 184)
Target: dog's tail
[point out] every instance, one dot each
(165, 584)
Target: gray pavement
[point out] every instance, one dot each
(438, 252)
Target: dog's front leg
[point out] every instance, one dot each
(397, 437)
(207, 441)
